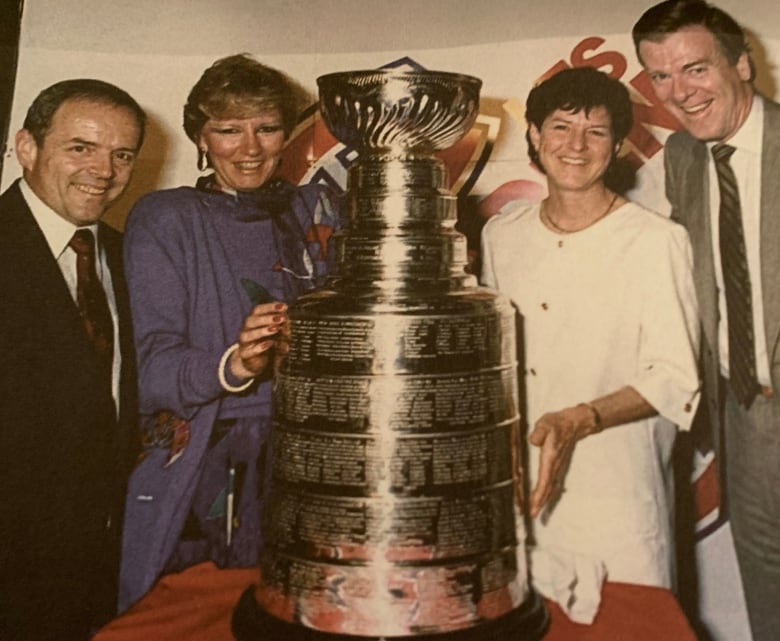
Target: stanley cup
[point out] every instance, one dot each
(394, 502)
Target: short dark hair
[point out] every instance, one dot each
(671, 16)
(577, 89)
(239, 86)
(41, 112)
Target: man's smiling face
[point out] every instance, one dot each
(85, 160)
(695, 81)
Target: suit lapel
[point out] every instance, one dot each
(36, 268)
(700, 228)
(112, 243)
(770, 222)
(41, 294)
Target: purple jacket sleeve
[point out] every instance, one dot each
(177, 371)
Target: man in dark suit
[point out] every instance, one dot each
(728, 197)
(66, 424)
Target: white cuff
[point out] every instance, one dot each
(221, 373)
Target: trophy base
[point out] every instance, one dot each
(526, 623)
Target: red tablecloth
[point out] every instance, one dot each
(196, 605)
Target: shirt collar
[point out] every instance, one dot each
(56, 230)
(749, 135)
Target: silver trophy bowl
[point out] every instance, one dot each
(399, 112)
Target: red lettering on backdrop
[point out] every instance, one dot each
(617, 61)
(654, 114)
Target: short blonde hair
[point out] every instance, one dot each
(240, 87)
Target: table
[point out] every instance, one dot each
(197, 604)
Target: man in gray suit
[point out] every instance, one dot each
(728, 197)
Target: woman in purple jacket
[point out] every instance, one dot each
(210, 271)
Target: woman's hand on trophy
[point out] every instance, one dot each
(265, 328)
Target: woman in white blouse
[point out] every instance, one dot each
(610, 329)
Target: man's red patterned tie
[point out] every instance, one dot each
(92, 302)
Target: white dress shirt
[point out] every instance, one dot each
(746, 163)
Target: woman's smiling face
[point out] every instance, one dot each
(575, 148)
(244, 152)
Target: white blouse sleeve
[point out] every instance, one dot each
(667, 375)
